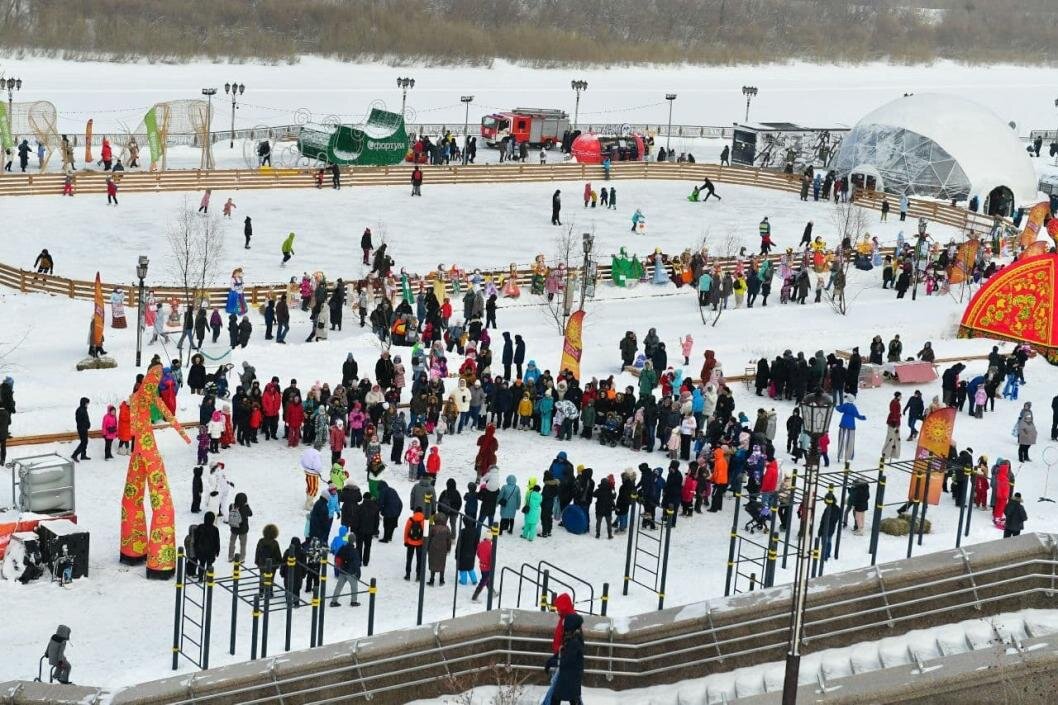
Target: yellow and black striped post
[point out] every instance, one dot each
(315, 614)
(372, 591)
(210, 582)
(290, 598)
(180, 559)
(605, 599)
(841, 506)
(789, 516)
(665, 558)
(236, 572)
(632, 528)
(494, 529)
(815, 556)
(256, 619)
(879, 504)
(266, 584)
(323, 597)
(731, 546)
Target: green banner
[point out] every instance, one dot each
(154, 140)
(5, 129)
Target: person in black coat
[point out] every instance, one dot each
(269, 318)
(470, 502)
(1015, 517)
(519, 354)
(293, 576)
(207, 542)
(604, 506)
(245, 329)
(838, 375)
(670, 497)
(320, 521)
(367, 527)
(449, 504)
(247, 231)
(852, 379)
(200, 327)
(233, 330)
(389, 508)
(507, 357)
(648, 495)
(83, 424)
(760, 382)
(569, 661)
(556, 207)
(384, 371)
(828, 523)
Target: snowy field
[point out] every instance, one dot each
(43, 337)
(115, 597)
(818, 95)
(449, 224)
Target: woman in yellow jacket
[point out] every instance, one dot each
(738, 288)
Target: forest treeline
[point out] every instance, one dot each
(538, 31)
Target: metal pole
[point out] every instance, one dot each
(576, 110)
(139, 327)
(969, 509)
(879, 503)
(815, 557)
(315, 614)
(668, 133)
(543, 590)
(254, 628)
(290, 603)
(633, 503)
(372, 591)
(494, 528)
(605, 599)
(964, 498)
(800, 585)
(665, 558)
(420, 564)
(911, 528)
(235, 573)
(231, 144)
(773, 553)
(209, 619)
(267, 608)
(403, 100)
(731, 546)
(466, 131)
(323, 598)
(789, 518)
(179, 603)
(844, 493)
(455, 583)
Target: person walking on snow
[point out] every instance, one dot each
(229, 206)
(287, 249)
(556, 207)
(112, 191)
(847, 427)
(203, 205)
(247, 228)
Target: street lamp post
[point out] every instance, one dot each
(920, 245)
(588, 244)
(577, 86)
(15, 84)
(671, 97)
(141, 272)
(750, 92)
(404, 84)
(236, 89)
(816, 410)
(466, 100)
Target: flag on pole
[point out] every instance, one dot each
(573, 344)
(97, 315)
(934, 442)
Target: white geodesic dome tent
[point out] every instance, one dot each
(940, 146)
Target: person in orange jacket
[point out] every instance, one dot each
(719, 478)
(414, 535)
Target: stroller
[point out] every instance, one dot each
(611, 431)
(760, 515)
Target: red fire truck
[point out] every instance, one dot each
(537, 126)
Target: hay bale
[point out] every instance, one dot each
(900, 525)
(103, 362)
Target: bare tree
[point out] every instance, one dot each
(508, 687)
(850, 221)
(197, 245)
(558, 307)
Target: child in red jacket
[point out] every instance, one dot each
(256, 418)
(690, 487)
(433, 463)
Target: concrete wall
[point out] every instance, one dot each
(651, 648)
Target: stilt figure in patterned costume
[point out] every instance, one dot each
(236, 300)
(146, 469)
(511, 289)
(539, 276)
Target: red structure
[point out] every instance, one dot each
(590, 148)
(1018, 304)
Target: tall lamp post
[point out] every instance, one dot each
(671, 97)
(577, 86)
(750, 92)
(920, 246)
(816, 410)
(236, 89)
(141, 272)
(466, 100)
(15, 84)
(588, 244)
(404, 84)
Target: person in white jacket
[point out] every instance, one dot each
(219, 486)
(312, 465)
(461, 397)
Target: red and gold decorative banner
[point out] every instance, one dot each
(934, 442)
(1017, 304)
(573, 344)
(1034, 222)
(97, 315)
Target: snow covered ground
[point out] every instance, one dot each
(450, 224)
(115, 598)
(488, 226)
(117, 95)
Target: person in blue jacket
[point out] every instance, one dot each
(847, 427)
(545, 406)
(532, 373)
(510, 501)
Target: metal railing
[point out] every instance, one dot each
(636, 661)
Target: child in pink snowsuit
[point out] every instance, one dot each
(686, 344)
(229, 206)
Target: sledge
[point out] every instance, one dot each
(575, 519)
(911, 372)
(870, 376)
